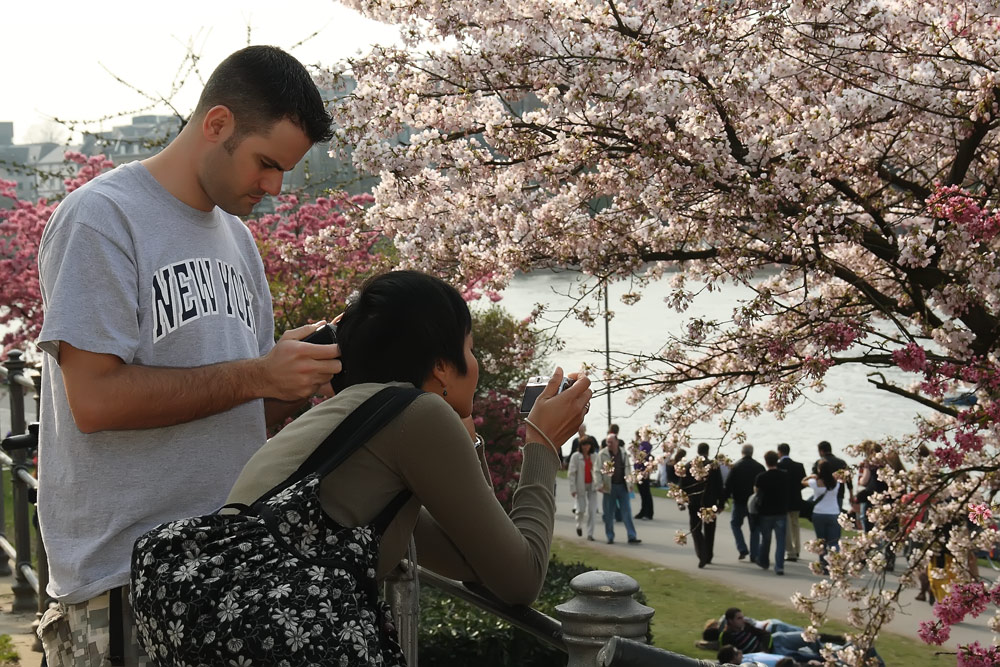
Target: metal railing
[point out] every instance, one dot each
(29, 583)
(601, 625)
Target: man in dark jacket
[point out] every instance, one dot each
(739, 486)
(705, 492)
(772, 489)
(796, 473)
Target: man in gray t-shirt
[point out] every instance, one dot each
(161, 371)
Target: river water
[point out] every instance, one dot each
(868, 413)
(642, 327)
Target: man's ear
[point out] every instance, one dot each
(218, 124)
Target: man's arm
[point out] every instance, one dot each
(105, 393)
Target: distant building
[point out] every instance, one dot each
(143, 137)
(31, 166)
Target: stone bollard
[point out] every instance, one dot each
(602, 608)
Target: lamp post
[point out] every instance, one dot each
(607, 350)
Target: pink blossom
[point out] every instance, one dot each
(934, 632)
(976, 655)
(949, 457)
(968, 441)
(980, 514)
(910, 358)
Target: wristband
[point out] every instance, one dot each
(547, 438)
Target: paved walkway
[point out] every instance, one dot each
(658, 548)
(18, 626)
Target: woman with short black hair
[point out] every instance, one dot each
(407, 328)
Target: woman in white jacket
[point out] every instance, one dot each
(581, 474)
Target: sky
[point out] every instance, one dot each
(62, 57)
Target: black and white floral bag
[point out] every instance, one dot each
(280, 583)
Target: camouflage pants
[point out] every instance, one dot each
(77, 635)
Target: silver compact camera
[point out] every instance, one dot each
(534, 388)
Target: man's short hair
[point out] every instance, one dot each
(770, 458)
(731, 613)
(727, 655)
(262, 85)
(613, 429)
(824, 447)
(703, 449)
(784, 449)
(785, 662)
(747, 450)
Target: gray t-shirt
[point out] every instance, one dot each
(129, 270)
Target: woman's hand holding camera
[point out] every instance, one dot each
(556, 416)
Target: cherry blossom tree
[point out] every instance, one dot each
(840, 160)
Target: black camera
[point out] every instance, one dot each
(535, 387)
(324, 335)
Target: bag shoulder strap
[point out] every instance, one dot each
(357, 428)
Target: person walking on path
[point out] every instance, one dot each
(582, 467)
(739, 486)
(643, 465)
(772, 488)
(671, 466)
(614, 483)
(575, 446)
(825, 450)
(703, 486)
(826, 510)
(796, 473)
(613, 431)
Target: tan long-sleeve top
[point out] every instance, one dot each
(461, 530)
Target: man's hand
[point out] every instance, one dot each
(294, 370)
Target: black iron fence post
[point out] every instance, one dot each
(25, 598)
(4, 560)
(41, 556)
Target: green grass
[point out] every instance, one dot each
(8, 654)
(683, 603)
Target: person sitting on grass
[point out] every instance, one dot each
(714, 626)
(730, 655)
(750, 639)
